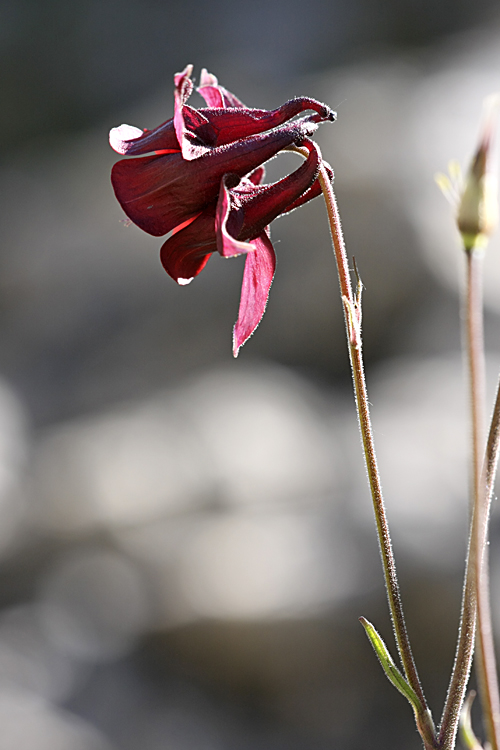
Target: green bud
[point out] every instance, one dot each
(477, 215)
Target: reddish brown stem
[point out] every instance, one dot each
(352, 308)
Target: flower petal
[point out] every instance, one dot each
(257, 176)
(141, 186)
(215, 95)
(187, 251)
(120, 137)
(160, 192)
(131, 141)
(244, 209)
(194, 133)
(260, 266)
(311, 192)
(260, 205)
(203, 129)
(227, 244)
(232, 124)
(200, 130)
(183, 84)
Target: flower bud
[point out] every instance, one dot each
(477, 215)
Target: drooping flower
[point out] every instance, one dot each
(201, 181)
(239, 223)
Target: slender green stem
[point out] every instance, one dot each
(352, 307)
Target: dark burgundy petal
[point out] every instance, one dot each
(260, 266)
(312, 192)
(247, 154)
(197, 128)
(194, 133)
(188, 250)
(218, 97)
(227, 244)
(127, 139)
(197, 131)
(201, 129)
(215, 95)
(210, 90)
(262, 204)
(232, 124)
(130, 141)
(309, 194)
(257, 176)
(183, 85)
(160, 192)
(141, 186)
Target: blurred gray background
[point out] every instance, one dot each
(186, 541)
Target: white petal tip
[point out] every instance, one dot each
(184, 282)
(187, 71)
(120, 136)
(208, 79)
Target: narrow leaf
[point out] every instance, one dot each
(392, 672)
(467, 733)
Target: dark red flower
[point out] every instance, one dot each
(201, 182)
(239, 223)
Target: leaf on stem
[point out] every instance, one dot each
(391, 671)
(469, 739)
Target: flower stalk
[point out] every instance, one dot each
(476, 596)
(475, 366)
(487, 672)
(477, 216)
(352, 309)
(482, 181)
(483, 479)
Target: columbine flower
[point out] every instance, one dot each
(239, 223)
(201, 182)
(476, 198)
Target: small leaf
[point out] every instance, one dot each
(467, 733)
(392, 672)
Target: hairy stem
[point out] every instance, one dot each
(483, 486)
(474, 337)
(487, 672)
(475, 599)
(485, 650)
(465, 647)
(352, 308)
